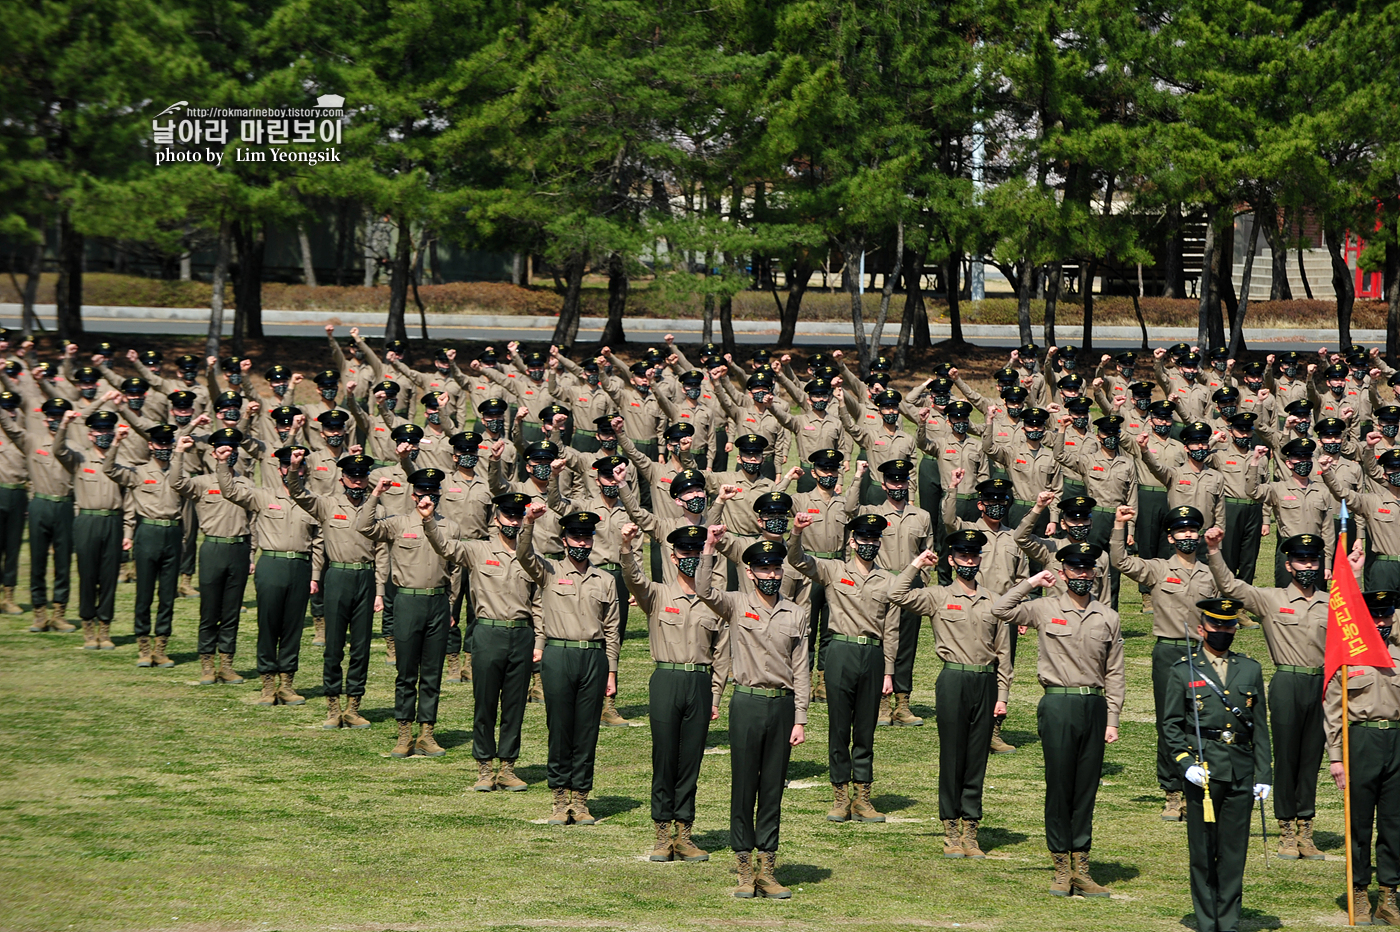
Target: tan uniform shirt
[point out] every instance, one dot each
(1030, 471)
(217, 517)
(680, 627)
(1381, 512)
(1373, 695)
(1078, 647)
(1042, 550)
(1176, 587)
(829, 516)
(1237, 468)
(908, 534)
(767, 646)
(964, 628)
(1202, 489)
(954, 452)
(92, 488)
(338, 519)
(1170, 455)
(501, 589)
(574, 605)
(466, 500)
(879, 444)
(14, 464)
(1295, 626)
(861, 603)
(1298, 509)
(47, 474)
(279, 523)
(415, 564)
(152, 490)
(737, 513)
(1003, 562)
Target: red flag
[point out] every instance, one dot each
(1352, 638)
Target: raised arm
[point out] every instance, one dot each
(525, 553)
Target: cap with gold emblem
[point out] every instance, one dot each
(685, 480)
(429, 479)
(580, 523)
(512, 503)
(357, 466)
(1381, 603)
(773, 503)
(1304, 545)
(687, 537)
(867, 525)
(1079, 506)
(750, 443)
(226, 437)
(1184, 516)
(1079, 554)
(968, 541)
(1221, 613)
(897, 470)
(995, 490)
(765, 553)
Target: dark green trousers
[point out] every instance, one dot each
(156, 552)
(189, 543)
(1374, 772)
(349, 615)
(759, 733)
(14, 507)
(808, 480)
(1240, 548)
(459, 635)
(965, 701)
(819, 613)
(647, 448)
(501, 664)
(223, 575)
(586, 441)
(386, 617)
(1382, 574)
(908, 649)
(1147, 531)
(97, 543)
(1071, 731)
(1295, 723)
(420, 644)
(575, 682)
(1073, 488)
(1165, 656)
(854, 676)
(719, 459)
(679, 709)
(50, 526)
(283, 588)
(1100, 530)
(1218, 851)
(871, 493)
(930, 482)
(318, 603)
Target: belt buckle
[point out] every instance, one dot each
(1085, 690)
(1383, 726)
(1227, 736)
(688, 667)
(863, 639)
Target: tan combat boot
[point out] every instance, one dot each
(766, 884)
(998, 744)
(427, 745)
(578, 808)
(485, 777)
(687, 850)
(819, 686)
(332, 721)
(1306, 849)
(268, 696)
(390, 657)
(1361, 904)
(536, 693)
(158, 657)
(1287, 841)
(206, 670)
(318, 631)
(104, 636)
(286, 692)
(58, 618)
(1171, 809)
(663, 848)
(454, 668)
(10, 606)
(1080, 879)
(1147, 601)
(1387, 912)
(861, 808)
(952, 839)
(226, 674)
(507, 780)
(89, 635)
(187, 589)
(611, 717)
(466, 666)
(127, 573)
(404, 747)
(886, 712)
(969, 840)
(41, 622)
(744, 861)
(902, 715)
(351, 717)
(143, 652)
(840, 804)
(559, 815)
(1059, 885)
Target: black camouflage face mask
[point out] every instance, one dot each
(103, 441)
(996, 510)
(942, 400)
(53, 424)
(1142, 403)
(235, 378)
(867, 552)
(960, 427)
(1390, 430)
(968, 573)
(495, 425)
(1109, 441)
(136, 403)
(1229, 410)
(279, 388)
(608, 444)
(1080, 586)
(820, 404)
(468, 460)
(1301, 468)
(1218, 365)
(751, 468)
(229, 415)
(509, 531)
(890, 418)
(1161, 430)
(232, 459)
(333, 440)
(828, 482)
(1014, 411)
(1185, 544)
(1080, 423)
(609, 491)
(1290, 371)
(88, 393)
(1332, 446)
(434, 417)
(413, 455)
(769, 586)
(580, 554)
(541, 471)
(692, 393)
(1035, 434)
(897, 495)
(1243, 443)
(696, 505)
(1078, 532)
(162, 454)
(356, 496)
(1306, 579)
(1393, 478)
(775, 525)
(687, 566)
(1199, 456)
(328, 394)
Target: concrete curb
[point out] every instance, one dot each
(373, 324)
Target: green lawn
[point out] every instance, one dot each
(134, 799)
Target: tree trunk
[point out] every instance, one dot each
(798, 275)
(913, 285)
(417, 279)
(708, 322)
(1024, 283)
(1223, 277)
(33, 273)
(617, 301)
(574, 268)
(216, 301)
(344, 240)
(1246, 279)
(251, 242)
(954, 294)
(1205, 286)
(1342, 283)
(308, 267)
(1174, 261)
(1052, 300)
(371, 259)
(887, 291)
(1279, 289)
(1303, 274)
(923, 339)
(69, 291)
(726, 324)
(1091, 268)
(850, 280)
(394, 327)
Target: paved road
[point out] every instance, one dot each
(497, 335)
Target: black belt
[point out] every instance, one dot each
(1227, 736)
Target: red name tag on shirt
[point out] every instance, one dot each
(410, 535)
(670, 610)
(685, 415)
(340, 517)
(1022, 462)
(814, 511)
(397, 485)
(1287, 611)
(810, 427)
(751, 420)
(1002, 433)
(42, 452)
(274, 506)
(493, 562)
(635, 404)
(1096, 469)
(1290, 498)
(848, 582)
(85, 469)
(566, 582)
(1232, 462)
(1069, 443)
(1059, 621)
(1183, 482)
(1173, 579)
(528, 392)
(152, 482)
(213, 492)
(1379, 511)
(1194, 683)
(666, 479)
(481, 388)
(752, 615)
(380, 429)
(950, 451)
(323, 469)
(1351, 673)
(953, 608)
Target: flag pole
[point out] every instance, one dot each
(1346, 755)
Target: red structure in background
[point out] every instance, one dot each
(1368, 285)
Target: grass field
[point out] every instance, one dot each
(134, 799)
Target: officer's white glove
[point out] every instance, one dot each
(1196, 774)
(1261, 790)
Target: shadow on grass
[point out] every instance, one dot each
(802, 769)
(183, 657)
(534, 774)
(925, 712)
(1019, 739)
(790, 874)
(603, 806)
(1328, 841)
(1110, 769)
(989, 839)
(1107, 872)
(712, 842)
(1128, 635)
(892, 803)
(630, 712)
(1250, 919)
(455, 738)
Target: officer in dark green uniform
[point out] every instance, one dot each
(1215, 722)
